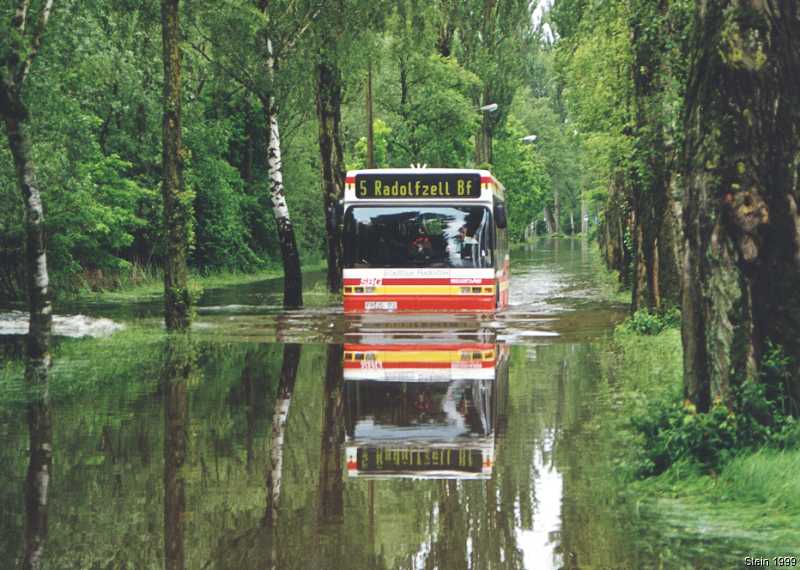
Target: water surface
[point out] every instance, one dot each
(308, 439)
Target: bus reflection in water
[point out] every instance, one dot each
(423, 411)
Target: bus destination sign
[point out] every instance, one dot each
(425, 185)
(380, 460)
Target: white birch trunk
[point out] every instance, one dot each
(274, 164)
(584, 218)
(292, 282)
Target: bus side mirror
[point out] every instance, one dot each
(500, 216)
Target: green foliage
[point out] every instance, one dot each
(776, 375)
(220, 202)
(674, 431)
(434, 125)
(668, 430)
(523, 172)
(762, 478)
(644, 322)
(380, 141)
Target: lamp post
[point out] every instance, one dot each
(483, 138)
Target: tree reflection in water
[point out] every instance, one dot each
(280, 419)
(180, 365)
(331, 476)
(37, 481)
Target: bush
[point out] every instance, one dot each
(644, 322)
(674, 431)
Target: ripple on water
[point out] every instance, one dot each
(75, 326)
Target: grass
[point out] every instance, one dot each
(761, 480)
(765, 477)
(754, 497)
(88, 364)
(148, 285)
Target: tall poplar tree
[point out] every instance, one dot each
(741, 164)
(329, 115)
(492, 36)
(177, 208)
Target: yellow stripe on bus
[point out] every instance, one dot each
(425, 290)
(422, 355)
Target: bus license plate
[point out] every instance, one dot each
(380, 305)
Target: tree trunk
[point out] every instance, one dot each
(331, 481)
(651, 176)
(611, 232)
(40, 307)
(180, 364)
(20, 51)
(548, 221)
(556, 211)
(292, 276)
(741, 162)
(248, 152)
(177, 210)
(37, 482)
(329, 100)
(640, 273)
(584, 218)
(670, 251)
(280, 419)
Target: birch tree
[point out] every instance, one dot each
(37, 481)
(24, 40)
(292, 275)
(251, 57)
(280, 421)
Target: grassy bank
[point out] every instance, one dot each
(91, 364)
(750, 495)
(149, 285)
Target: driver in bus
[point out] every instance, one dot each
(421, 245)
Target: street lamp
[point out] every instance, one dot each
(529, 138)
(490, 108)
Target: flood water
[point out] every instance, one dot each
(308, 439)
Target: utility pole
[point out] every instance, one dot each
(370, 134)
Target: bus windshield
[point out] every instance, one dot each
(418, 236)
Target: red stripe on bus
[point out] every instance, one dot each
(383, 365)
(422, 303)
(415, 347)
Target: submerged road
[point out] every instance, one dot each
(299, 439)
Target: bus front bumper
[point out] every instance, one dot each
(354, 303)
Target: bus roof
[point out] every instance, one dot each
(490, 186)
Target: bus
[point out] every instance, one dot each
(423, 411)
(424, 240)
